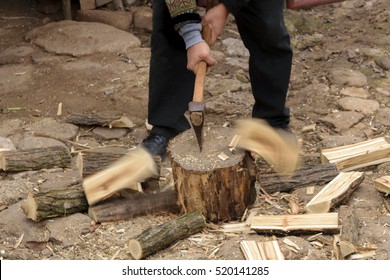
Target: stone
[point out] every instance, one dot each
(347, 77)
(13, 191)
(382, 118)
(383, 86)
(383, 62)
(49, 127)
(119, 19)
(9, 127)
(341, 121)
(6, 144)
(235, 47)
(218, 86)
(367, 107)
(143, 18)
(31, 142)
(107, 133)
(17, 54)
(82, 38)
(333, 141)
(231, 103)
(355, 92)
(15, 78)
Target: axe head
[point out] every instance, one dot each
(196, 110)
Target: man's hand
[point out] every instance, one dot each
(216, 18)
(197, 53)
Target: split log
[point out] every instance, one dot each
(382, 184)
(35, 159)
(351, 157)
(139, 204)
(127, 172)
(154, 239)
(327, 222)
(348, 240)
(305, 176)
(268, 250)
(55, 202)
(220, 188)
(335, 192)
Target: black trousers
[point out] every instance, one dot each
(262, 29)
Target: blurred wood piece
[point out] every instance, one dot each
(126, 172)
(154, 239)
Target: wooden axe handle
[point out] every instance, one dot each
(202, 69)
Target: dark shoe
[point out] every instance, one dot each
(156, 144)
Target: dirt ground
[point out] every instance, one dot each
(339, 94)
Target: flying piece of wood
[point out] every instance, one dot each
(127, 172)
(274, 146)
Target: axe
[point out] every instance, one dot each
(196, 106)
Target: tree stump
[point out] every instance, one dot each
(216, 181)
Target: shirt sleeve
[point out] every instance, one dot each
(183, 12)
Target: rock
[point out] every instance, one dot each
(6, 144)
(355, 92)
(13, 191)
(119, 19)
(383, 62)
(82, 65)
(218, 86)
(16, 54)
(143, 18)
(382, 117)
(238, 62)
(365, 196)
(108, 134)
(139, 56)
(367, 107)
(15, 78)
(31, 142)
(9, 127)
(235, 47)
(231, 103)
(341, 121)
(49, 6)
(334, 141)
(66, 231)
(13, 222)
(347, 77)
(52, 128)
(307, 41)
(82, 38)
(383, 86)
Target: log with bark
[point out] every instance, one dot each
(362, 154)
(335, 192)
(35, 159)
(100, 120)
(154, 239)
(327, 222)
(120, 209)
(66, 198)
(305, 176)
(216, 181)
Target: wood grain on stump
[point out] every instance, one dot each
(216, 181)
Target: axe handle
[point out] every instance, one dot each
(202, 69)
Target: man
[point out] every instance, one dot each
(177, 47)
